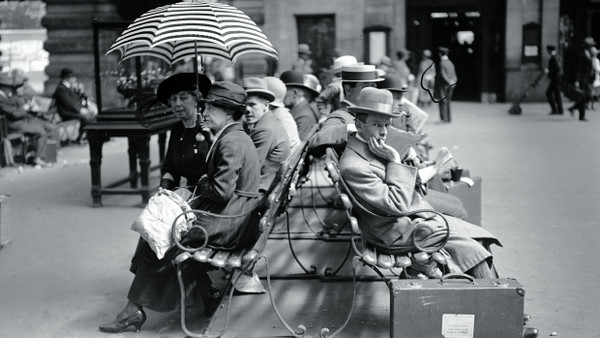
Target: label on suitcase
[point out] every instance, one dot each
(457, 308)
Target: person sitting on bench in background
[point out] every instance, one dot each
(71, 102)
(267, 133)
(229, 188)
(377, 178)
(19, 120)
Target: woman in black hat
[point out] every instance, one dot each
(155, 285)
(188, 143)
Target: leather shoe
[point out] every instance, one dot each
(211, 301)
(119, 325)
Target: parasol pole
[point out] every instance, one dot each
(196, 64)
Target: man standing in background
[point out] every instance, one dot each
(445, 79)
(555, 73)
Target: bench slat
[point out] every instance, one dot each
(203, 255)
(235, 260)
(385, 261)
(220, 259)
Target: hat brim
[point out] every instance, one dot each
(262, 93)
(300, 85)
(365, 110)
(182, 82)
(277, 104)
(379, 79)
(396, 89)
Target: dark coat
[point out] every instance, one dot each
(68, 102)
(306, 117)
(230, 187)
(272, 145)
(186, 156)
(555, 70)
(445, 75)
(333, 133)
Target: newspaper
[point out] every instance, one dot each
(442, 163)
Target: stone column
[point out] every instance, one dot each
(70, 38)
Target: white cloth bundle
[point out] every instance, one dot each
(155, 223)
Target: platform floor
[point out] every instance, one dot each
(65, 270)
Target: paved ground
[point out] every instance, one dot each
(66, 268)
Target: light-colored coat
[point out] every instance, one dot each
(388, 189)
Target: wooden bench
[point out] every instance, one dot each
(430, 261)
(242, 260)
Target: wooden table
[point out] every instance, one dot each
(124, 123)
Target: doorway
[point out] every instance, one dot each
(318, 31)
(461, 33)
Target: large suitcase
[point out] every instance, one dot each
(457, 306)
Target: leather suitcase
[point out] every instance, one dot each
(457, 306)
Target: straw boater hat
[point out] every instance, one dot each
(181, 82)
(304, 49)
(341, 62)
(7, 81)
(375, 102)
(293, 78)
(256, 86)
(360, 73)
(226, 94)
(393, 83)
(277, 87)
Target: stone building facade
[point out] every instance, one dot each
(499, 45)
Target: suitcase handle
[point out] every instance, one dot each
(455, 276)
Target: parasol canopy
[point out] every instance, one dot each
(186, 29)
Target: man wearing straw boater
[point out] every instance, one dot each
(334, 131)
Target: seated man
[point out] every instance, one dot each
(281, 112)
(19, 120)
(230, 187)
(70, 101)
(382, 184)
(298, 97)
(268, 135)
(329, 99)
(440, 201)
(334, 131)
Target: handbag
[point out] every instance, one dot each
(155, 223)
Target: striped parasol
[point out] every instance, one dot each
(186, 29)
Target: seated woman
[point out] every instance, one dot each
(229, 187)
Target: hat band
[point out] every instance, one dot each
(382, 107)
(358, 76)
(214, 96)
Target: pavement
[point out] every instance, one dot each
(65, 270)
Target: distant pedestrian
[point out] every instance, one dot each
(427, 73)
(304, 62)
(555, 73)
(445, 79)
(596, 84)
(585, 77)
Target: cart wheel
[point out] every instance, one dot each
(515, 110)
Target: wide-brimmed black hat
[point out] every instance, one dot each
(393, 82)
(182, 82)
(293, 78)
(66, 72)
(375, 101)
